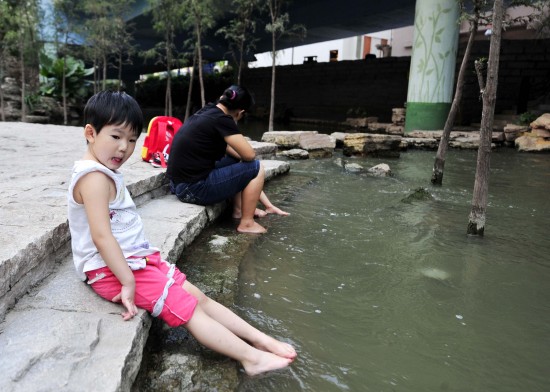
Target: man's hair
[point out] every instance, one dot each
(113, 108)
(237, 97)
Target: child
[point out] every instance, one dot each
(111, 252)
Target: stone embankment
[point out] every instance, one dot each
(55, 333)
(371, 138)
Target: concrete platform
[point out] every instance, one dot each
(55, 333)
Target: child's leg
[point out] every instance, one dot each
(237, 212)
(217, 337)
(238, 326)
(270, 208)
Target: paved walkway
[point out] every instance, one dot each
(55, 333)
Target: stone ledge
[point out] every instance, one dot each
(62, 328)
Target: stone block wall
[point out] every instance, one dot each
(327, 91)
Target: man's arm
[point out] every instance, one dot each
(240, 146)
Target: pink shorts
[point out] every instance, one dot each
(151, 282)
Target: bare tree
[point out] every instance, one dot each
(201, 18)
(476, 224)
(239, 32)
(439, 163)
(168, 19)
(278, 27)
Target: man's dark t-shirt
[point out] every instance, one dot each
(199, 143)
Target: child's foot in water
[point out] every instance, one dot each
(276, 210)
(265, 362)
(269, 344)
(257, 214)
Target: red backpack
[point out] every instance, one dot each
(160, 133)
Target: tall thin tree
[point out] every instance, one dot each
(477, 217)
(439, 163)
(279, 26)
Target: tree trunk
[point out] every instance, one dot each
(23, 79)
(168, 96)
(120, 72)
(64, 91)
(240, 62)
(2, 107)
(199, 48)
(272, 105)
(104, 85)
(190, 89)
(439, 164)
(476, 224)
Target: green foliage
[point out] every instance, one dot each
(51, 77)
(526, 118)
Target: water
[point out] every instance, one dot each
(381, 295)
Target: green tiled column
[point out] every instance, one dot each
(431, 78)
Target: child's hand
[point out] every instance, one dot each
(126, 296)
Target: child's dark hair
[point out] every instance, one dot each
(113, 107)
(236, 97)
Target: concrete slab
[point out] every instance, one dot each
(60, 335)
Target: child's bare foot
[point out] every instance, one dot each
(257, 214)
(265, 362)
(276, 210)
(276, 347)
(253, 227)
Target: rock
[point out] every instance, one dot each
(353, 168)
(264, 150)
(395, 130)
(380, 170)
(317, 145)
(512, 131)
(360, 122)
(379, 127)
(286, 139)
(295, 153)
(543, 122)
(419, 194)
(421, 143)
(541, 133)
(339, 138)
(372, 145)
(398, 116)
(531, 143)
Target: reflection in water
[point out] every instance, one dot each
(382, 295)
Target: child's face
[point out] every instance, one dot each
(112, 146)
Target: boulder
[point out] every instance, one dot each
(286, 139)
(532, 143)
(317, 145)
(264, 150)
(421, 143)
(512, 131)
(541, 133)
(380, 170)
(543, 122)
(379, 127)
(295, 153)
(398, 116)
(372, 145)
(339, 138)
(395, 130)
(353, 168)
(360, 122)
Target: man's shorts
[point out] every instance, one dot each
(151, 282)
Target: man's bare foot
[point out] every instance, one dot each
(265, 362)
(252, 228)
(276, 347)
(276, 210)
